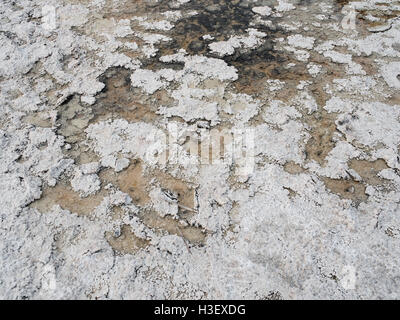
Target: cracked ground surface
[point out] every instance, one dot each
(90, 88)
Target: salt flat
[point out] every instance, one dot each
(185, 149)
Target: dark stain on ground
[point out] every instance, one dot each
(322, 128)
(118, 99)
(221, 20)
(342, 3)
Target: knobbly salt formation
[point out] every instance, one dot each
(183, 149)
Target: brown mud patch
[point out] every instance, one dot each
(394, 99)
(369, 170)
(131, 181)
(38, 119)
(116, 100)
(63, 195)
(354, 190)
(184, 191)
(347, 189)
(195, 235)
(126, 242)
(137, 182)
(368, 64)
(119, 100)
(73, 119)
(293, 168)
(322, 129)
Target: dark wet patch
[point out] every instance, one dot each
(73, 119)
(342, 3)
(119, 100)
(273, 295)
(221, 20)
(218, 18)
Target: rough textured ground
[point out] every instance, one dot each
(86, 212)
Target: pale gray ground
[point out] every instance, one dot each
(84, 102)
